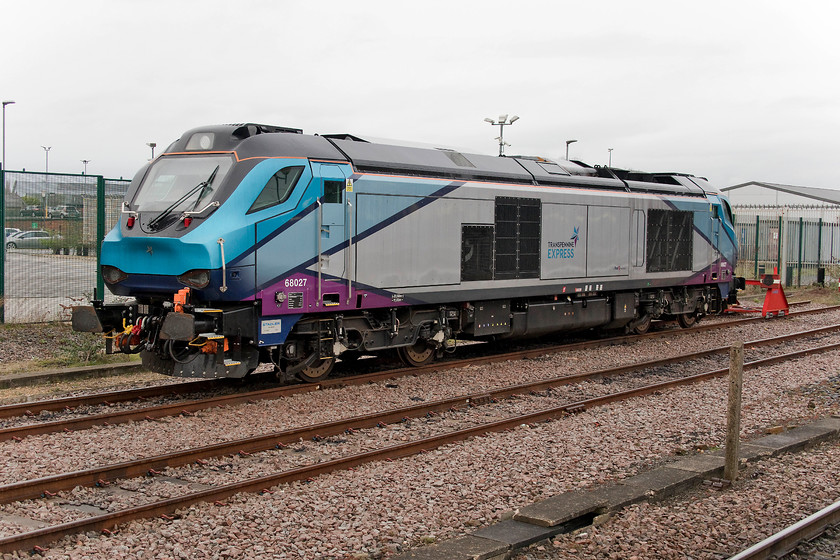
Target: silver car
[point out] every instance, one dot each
(36, 239)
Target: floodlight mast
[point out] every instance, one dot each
(47, 158)
(3, 161)
(503, 120)
(3, 167)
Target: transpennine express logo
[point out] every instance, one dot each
(564, 249)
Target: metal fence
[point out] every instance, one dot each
(43, 274)
(52, 262)
(801, 242)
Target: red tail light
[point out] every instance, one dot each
(129, 223)
(187, 221)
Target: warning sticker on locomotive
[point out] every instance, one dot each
(272, 326)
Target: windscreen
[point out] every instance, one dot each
(173, 178)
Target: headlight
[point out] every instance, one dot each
(195, 278)
(112, 274)
(200, 141)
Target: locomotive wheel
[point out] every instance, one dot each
(419, 354)
(687, 321)
(644, 326)
(318, 371)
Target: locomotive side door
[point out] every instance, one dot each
(715, 242)
(334, 236)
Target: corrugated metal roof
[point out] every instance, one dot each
(830, 196)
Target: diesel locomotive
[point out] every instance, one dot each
(247, 244)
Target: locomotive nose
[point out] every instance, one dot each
(157, 264)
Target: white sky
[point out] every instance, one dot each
(731, 90)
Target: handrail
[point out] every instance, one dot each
(320, 226)
(215, 203)
(349, 265)
(221, 243)
(126, 209)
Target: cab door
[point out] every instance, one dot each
(715, 238)
(335, 225)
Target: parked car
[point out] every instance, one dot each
(64, 212)
(33, 210)
(35, 239)
(11, 231)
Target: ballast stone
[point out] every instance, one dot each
(566, 512)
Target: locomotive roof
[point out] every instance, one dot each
(256, 140)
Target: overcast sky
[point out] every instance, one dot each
(733, 91)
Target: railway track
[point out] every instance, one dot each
(787, 540)
(51, 485)
(31, 409)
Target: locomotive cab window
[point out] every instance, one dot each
(727, 211)
(333, 191)
(277, 189)
(175, 183)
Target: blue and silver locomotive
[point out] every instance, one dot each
(248, 244)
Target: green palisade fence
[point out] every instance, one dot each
(801, 242)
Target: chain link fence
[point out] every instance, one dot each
(54, 223)
(801, 242)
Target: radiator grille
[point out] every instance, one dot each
(669, 240)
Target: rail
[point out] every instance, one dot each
(109, 520)
(786, 540)
(188, 407)
(37, 487)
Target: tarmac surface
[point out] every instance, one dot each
(41, 286)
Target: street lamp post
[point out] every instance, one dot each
(610, 151)
(3, 168)
(4, 132)
(567, 147)
(152, 145)
(85, 162)
(47, 160)
(503, 120)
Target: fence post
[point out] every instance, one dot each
(819, 243)
(799, 256)
(733, 420)
(757, 228)
(781, 267)
(3, 260)
(100, 234)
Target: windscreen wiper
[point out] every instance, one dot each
(169, 209)
(206, 187)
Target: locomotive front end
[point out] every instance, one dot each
(183, 251)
